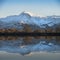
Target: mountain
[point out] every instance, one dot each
(17, 21)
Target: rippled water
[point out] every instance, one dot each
(27, 45)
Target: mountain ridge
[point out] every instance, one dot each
(29, 19)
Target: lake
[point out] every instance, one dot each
(30, 48)
(34, 56)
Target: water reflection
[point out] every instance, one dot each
(27, 44)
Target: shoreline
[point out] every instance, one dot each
(29, 34)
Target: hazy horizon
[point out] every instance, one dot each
(37, 7)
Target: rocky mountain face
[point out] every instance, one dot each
(26, 19)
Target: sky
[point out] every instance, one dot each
(37, 7)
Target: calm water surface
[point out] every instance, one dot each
(30, 48)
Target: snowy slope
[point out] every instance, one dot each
(27, 18)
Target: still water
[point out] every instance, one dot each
(30, 48)
(35, 56)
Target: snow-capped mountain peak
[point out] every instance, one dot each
(26, 13)
(28, 18)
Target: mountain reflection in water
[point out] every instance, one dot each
(28, 44)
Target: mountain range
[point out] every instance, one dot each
(18, 21)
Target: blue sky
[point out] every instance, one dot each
(37, 7)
